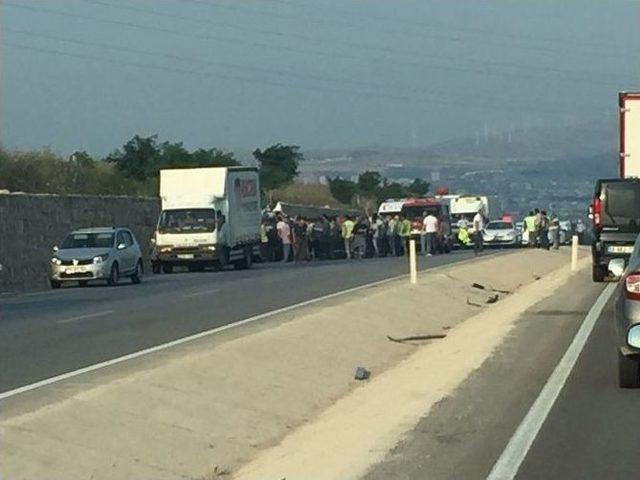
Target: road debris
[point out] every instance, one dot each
(417, 337)
(473, 304)
(362, 374)
(493, 298)
(482, 287)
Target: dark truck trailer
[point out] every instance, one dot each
(615, 214)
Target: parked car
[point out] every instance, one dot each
(616, 222)
(96, 254)
(627, 317)
(501, 233)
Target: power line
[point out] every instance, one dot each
(280, 48)
(314, 88)
(421, 25)
(358, 45)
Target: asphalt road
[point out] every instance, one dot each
(591, 431)
(54, 332)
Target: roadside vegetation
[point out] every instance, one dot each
(133, 169)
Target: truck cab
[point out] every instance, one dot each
(615, 213)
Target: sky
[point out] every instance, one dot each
(239, 74)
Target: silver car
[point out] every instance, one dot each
(502, 233)
(627, 317)
(96, 254)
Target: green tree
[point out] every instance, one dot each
(369, 183)
(418, 188)
(82, 159)
(390, 190)
(174, 155)
(278, 165)
(139, 158)
(213, 158)
(343, 190)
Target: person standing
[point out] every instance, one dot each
(580, 229)
(392, 229)
(300, 239)
(284, 233)
(376, 224)
(478, 226)
(536, 222)
(405, 233)
(529, 226)
(543, 228)
(431, 227)
(360, 232)
(347, 235)
(554, 231)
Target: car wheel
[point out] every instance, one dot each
(167, 268)
(55, 284)
(137, 276)
(114, 276)
(628, 371)
(597, 273)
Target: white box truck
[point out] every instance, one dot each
(466, 206)
(629, 142)
(209, 217)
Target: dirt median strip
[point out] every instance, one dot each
(226, 403)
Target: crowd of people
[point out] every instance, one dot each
(543, 231)
(353, 237)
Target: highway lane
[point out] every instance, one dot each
(48, 333)
(593, 429)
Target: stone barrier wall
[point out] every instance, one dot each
(30, 225)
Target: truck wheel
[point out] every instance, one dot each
(223, 259)
(246, 262)
(598, 273)
(137, 276)
(628, 371)
(114, 276)
(167, 268)
(156, 268)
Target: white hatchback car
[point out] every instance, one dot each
(96, 254)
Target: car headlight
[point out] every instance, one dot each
(100, 258)
(56, 261)
(633, 336)
(165, 249)
(211, 248)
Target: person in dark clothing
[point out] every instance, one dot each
(360, 233)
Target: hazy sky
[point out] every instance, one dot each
(89, 74)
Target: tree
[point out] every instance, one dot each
(174, 155)
(343, 190)
(418, 188)
(390, 190)
(139, 158)
(278, 165)
(82, 159)
(369, 182)
(213, 158)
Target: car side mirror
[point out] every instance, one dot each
(55, 248)
(616, 267)
(121, 246)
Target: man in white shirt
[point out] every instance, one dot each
(478, 226)
(431, 225)
(284, 232)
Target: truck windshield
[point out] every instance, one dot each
(187, 221)
(88, 240)
(621, 206)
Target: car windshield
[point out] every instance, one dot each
(88, 240)
(621, 205)
(500, 226)
(187, 221)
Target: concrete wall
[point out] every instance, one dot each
(30, 225)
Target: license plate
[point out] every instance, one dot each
(620, 248)
(185, 256)
(72, 270)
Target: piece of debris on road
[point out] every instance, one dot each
(362, 374)
(417, 337)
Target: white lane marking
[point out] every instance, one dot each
(516, 450)
(206, 333)
(82, 317)
(204, 292)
